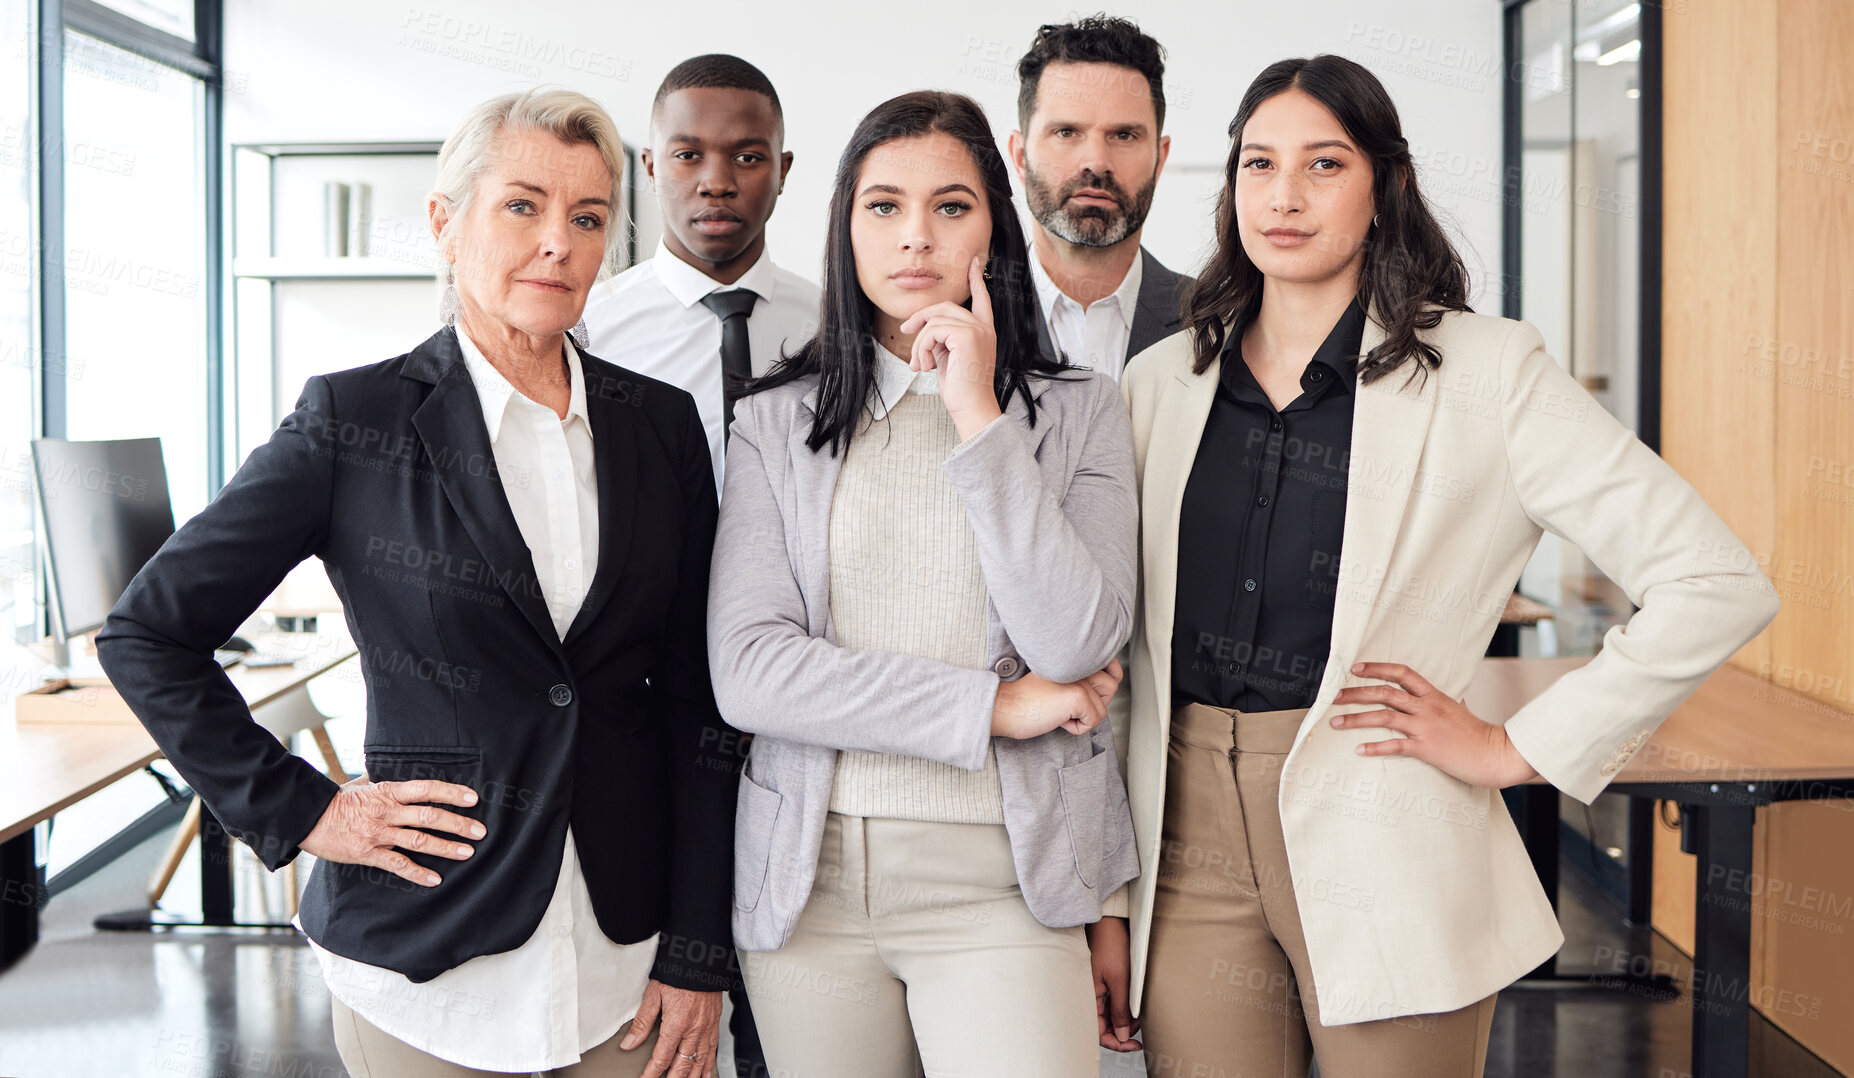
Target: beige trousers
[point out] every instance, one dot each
(916, 939)
(368, 1052)
(1228, 985)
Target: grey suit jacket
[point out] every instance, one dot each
(1161, 293)
(1055, 514)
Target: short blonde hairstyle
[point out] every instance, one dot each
(568, 115)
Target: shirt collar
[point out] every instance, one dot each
(1338, 352)
(494, 392)
(1046, 291)
(893, 380)
(1125, 297)
(1340, 348)
(688, 284)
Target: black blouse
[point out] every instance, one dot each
(1260, 530)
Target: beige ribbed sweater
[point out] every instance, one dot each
(905, 577)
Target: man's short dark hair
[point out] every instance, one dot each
(1096, 39)
(716, 70)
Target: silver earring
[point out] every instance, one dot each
(447, 301)
(580, 334)
(1374, 220)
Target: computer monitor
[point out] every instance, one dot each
(106, 511)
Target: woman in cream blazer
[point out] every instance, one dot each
(1379, 896)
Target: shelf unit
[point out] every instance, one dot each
(260, 180)
(295, 311)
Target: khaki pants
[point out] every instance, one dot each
(368, 1052)
(916, 938)
(1229, 991)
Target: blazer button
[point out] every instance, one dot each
(1005, 667)
(560, 695)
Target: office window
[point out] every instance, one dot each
(135, 260)
(1581, 170)
(18, 346)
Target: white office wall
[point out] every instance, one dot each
(357, 69)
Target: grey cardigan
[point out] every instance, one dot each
(1056, 515)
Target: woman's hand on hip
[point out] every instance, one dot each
(963, 346)
(1032, 706)
(371, 823)
(1437, 728)
(691, 1031)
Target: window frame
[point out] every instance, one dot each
(200, 59)
(1648, 331)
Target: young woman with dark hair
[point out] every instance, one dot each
(925, 569)
(943, 134)
(1344, 471)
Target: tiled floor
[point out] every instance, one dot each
(101, 1005)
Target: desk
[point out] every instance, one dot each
(1738, 743)
(46, 767)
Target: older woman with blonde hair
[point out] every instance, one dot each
(533, 871)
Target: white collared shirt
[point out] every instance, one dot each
(893, 379)
(568, 988)
(650, 319)
(549, 478)
(1096, 338)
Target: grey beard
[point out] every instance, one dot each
(1052, 217)
(1062, 225)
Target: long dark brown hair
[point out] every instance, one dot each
(842, 354)
(1411, 274)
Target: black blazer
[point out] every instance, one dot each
(385, 472)
(1156, 316)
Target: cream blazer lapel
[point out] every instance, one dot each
(1390, 423)
(1177, 428)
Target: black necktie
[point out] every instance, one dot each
(732, 308)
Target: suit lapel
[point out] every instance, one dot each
(1155, 315)
(616, 449)
(1177, 428)
(450, 424)
(1042, 333)
(1390, 422)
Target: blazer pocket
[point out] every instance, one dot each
(756, 819)
(409, 763)
(1084, 808)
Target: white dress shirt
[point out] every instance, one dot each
(1096, 338)
(568, 988)
(893, 379)
(650, 319)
